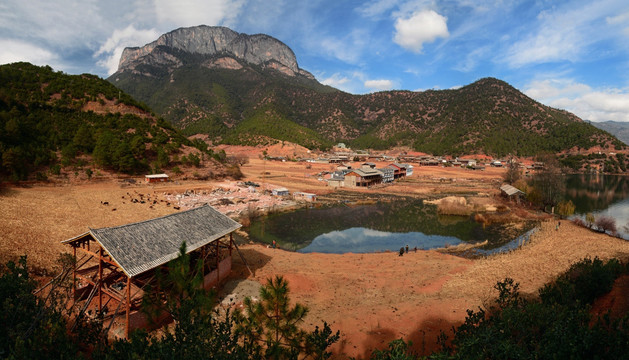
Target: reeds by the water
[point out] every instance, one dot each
(453, 208)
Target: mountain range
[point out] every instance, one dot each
(619, 129)
(249, 89)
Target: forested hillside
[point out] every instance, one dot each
(250, 105)
(618, 128)
(50, 120)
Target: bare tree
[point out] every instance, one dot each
(513, 173)
(606, 224)
(238, 159)
(549, 182)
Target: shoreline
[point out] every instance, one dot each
(378, 297)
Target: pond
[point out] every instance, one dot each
(601, 195)
(381, 226)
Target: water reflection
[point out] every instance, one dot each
(375, 227)
(595, 192)
(601, 195)
(362, 240)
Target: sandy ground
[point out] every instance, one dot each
(371, 298)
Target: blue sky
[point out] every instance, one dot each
(572, 55)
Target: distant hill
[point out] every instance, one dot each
(249, 90)
(50, 120)
(619, 129)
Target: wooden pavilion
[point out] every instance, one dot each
(117, 262)
(512, 192)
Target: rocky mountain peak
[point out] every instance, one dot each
(220, 45)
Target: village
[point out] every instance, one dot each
(119, 231)
(284, 176)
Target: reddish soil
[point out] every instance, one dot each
(616, 302)
(375, 298)
(371, 298)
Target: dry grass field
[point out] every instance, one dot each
(371, 298)
(376, 298)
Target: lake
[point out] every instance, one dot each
(382, 226)
(600, 195)
(390, 225)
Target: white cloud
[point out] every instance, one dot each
(348, 48)
(548, 46)
(377, 7)
(336, 80)
(115, 44)
(555, 88)
(567, 33)
(14, 51)
(470, 61)
(60, 23)
(379, 85)
(618, 19)
(339, 49)
(196, 12)
(621, 20)
(348, 81)
(581, 99)
(422, 27)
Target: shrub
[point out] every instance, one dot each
(269, 325)
(583, 282)
(606, 224)
(579, 222)
(589, 220)
(55, 169)
(558, 325)
(234, 172)
(398, 349)
(565, 209)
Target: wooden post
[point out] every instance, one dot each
(231, 242)
(100, 278)
(205, 267)
(218, 262)
(74, 274)
(126, 331)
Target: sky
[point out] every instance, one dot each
(572, 55)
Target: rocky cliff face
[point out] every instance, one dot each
(222, 46)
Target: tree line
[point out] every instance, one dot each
(43, 127)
